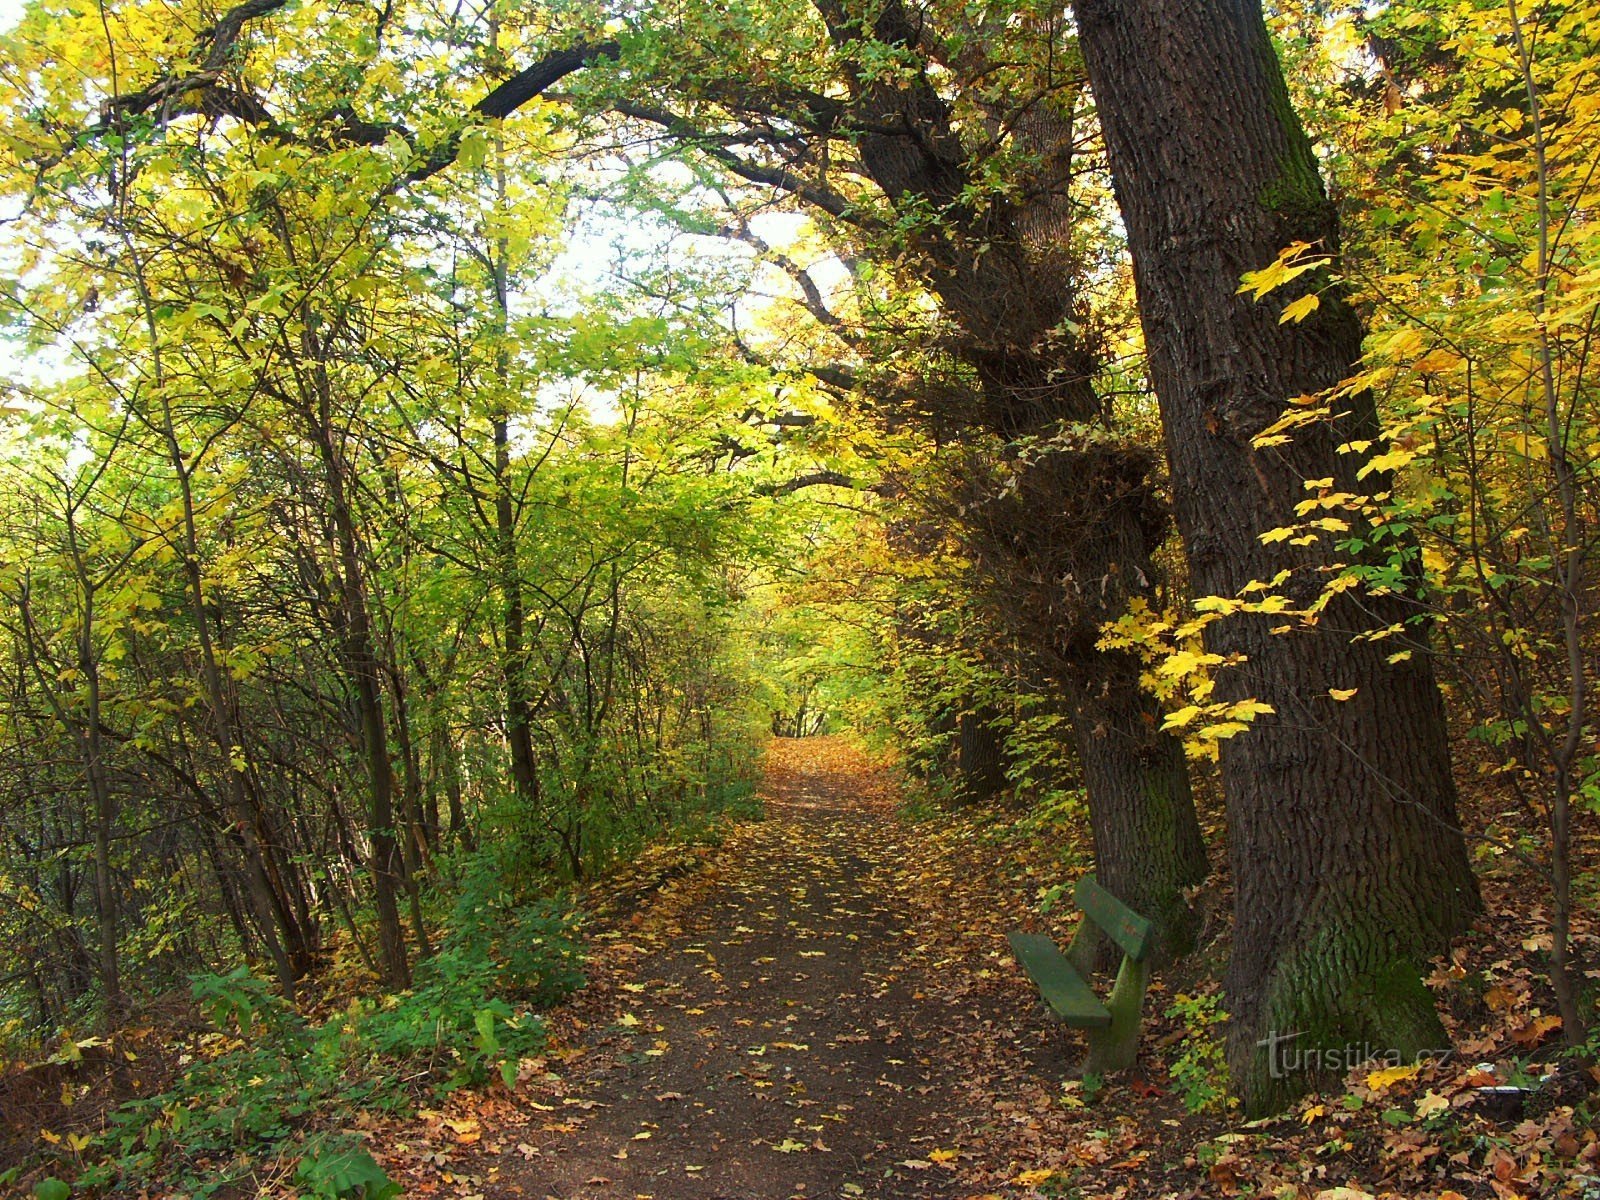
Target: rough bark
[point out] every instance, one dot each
(1062, 580)
(1148, 844)
(1349, 866)
(1084, 548)
(980, 755)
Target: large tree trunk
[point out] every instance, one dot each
(1065, 548)
(1349, 865)
(980, 755)
(1004, 274)
(1147, 842)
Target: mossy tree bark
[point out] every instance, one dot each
(1349, 864)
(1148, 845)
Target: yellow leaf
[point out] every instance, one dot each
(1181, 717)
(1342, 693)
(1401, 344)
(1391, 461)
(1033, 1178)
(1299, 310)
(1180, 663)
(1312, 1113)
(943, 1156)
(1245, 710)
(1387, 1077)
(1263, 281)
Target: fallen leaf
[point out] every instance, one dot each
(1531, 1034)
(1432, 1102)
(1386, 1077)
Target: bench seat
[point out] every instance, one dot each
(1063, 989)
(1112, 1027)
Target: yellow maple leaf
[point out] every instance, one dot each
(1299, 310)
(1387, 1077)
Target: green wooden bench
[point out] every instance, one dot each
(1112, 1027)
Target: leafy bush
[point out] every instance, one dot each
(257, 1078)
(345, 1174)
(262, 1074)
(458, 1017)
(1201, 1070)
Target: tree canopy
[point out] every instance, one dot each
(443, 445)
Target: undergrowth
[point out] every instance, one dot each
(265, 1093)
(264, 1090)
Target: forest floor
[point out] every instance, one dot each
(825, 1005)
(800, 1018)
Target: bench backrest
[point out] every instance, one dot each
(1121, 924)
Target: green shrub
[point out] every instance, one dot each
(1200, 1071)
(262, 1075)
(458, 1019)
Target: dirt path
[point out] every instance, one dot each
(782, 1026)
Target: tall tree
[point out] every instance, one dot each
(844, 114)
(1348, 859)
(863, 129)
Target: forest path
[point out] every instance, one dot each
(791, 1022)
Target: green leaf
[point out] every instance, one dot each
(484, 1021)
(347, 1175)
(51, 1189)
